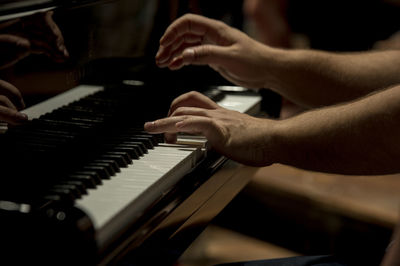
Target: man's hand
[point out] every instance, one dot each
(197, 40)
(238, 136)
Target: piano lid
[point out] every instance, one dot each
(102, 42)
(78, 41)
(19, 8)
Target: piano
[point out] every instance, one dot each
(81, 182)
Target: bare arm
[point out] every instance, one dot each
(360, 137)
(307, 77)
(315, 78)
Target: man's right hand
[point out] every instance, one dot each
(196, 40)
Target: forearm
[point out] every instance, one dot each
(315, 78)
(360, 137)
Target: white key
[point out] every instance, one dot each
(136, 186)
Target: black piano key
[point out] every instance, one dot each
(133, 153)
(122, 158)
(122, 163)
(76, 193)
(110, 170)
(113, 164)
(141, 135)
(58, 198)
(80, 185)
(140, 148)
(143, 141)
(85, 179)
(65, 194)
(146, 141)
(90, 173)
(101, 171)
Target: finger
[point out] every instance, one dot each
(169, 127)
(192, 99)
(12, 94)
(195, 125)
(193, 24)
(12, 116)
(203, 55)
(164, 52)
(164, 62)
(170, 137)
(165, 125)
(191, 111)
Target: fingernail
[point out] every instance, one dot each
(150, 125)
(162, 40)
(189, 52)
(162, 60)
(22, 104)
(66, 54)
(158, 53)
(22, 116)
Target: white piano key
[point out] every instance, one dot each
(249, 104)
(60, 100)
(138, 185)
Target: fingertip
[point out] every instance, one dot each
(149, 126)
(188, 53)
(21, 116)
(23, 43)
(15, 118)
(22, 104)
(176, 63)
(170, 138)
(65, 52)
(165, 40)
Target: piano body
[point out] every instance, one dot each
(82, 183)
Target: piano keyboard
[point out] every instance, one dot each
(128, 187)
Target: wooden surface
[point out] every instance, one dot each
(219, 245)
(371, 203)
(373, 199)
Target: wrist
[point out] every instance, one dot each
(273, 142)
(274, 62)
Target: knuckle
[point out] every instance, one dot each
(179, 111)
(193, 94)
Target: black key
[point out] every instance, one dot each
(92, 174)
(65, 194)
(121, 159)
(87, 180)
(80, 185)
(101, 171)
(106, 166)
(113, 164)
(71, 188)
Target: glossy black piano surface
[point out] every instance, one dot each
(52, 161)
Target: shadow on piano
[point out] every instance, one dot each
(81, 182)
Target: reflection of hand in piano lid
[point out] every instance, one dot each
(35, 33)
